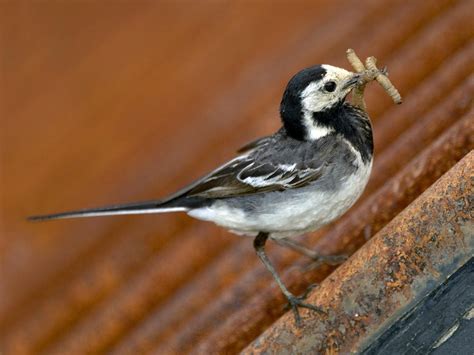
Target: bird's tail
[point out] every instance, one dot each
(132, 208)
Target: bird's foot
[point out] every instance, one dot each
(295, 302)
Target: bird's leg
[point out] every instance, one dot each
(295, 302)
(318, 258)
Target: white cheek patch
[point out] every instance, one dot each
(314, 98)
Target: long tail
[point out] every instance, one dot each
(132, 208)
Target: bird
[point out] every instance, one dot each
(294, 181)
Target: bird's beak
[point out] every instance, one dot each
(352, 81)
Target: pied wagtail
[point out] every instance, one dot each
(302, 177)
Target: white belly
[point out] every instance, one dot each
(302, 211)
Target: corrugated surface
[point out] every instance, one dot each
(111, 103)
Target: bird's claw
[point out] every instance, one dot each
(295, 302)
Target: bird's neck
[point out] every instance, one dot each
(343, 118)
(352, 123)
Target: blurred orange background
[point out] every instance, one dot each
(111, 102)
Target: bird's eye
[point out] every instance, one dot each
(330, 86)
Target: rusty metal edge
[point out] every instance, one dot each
(417, 251)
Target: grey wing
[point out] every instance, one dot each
(244, 175)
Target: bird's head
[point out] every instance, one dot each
(312, 97)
